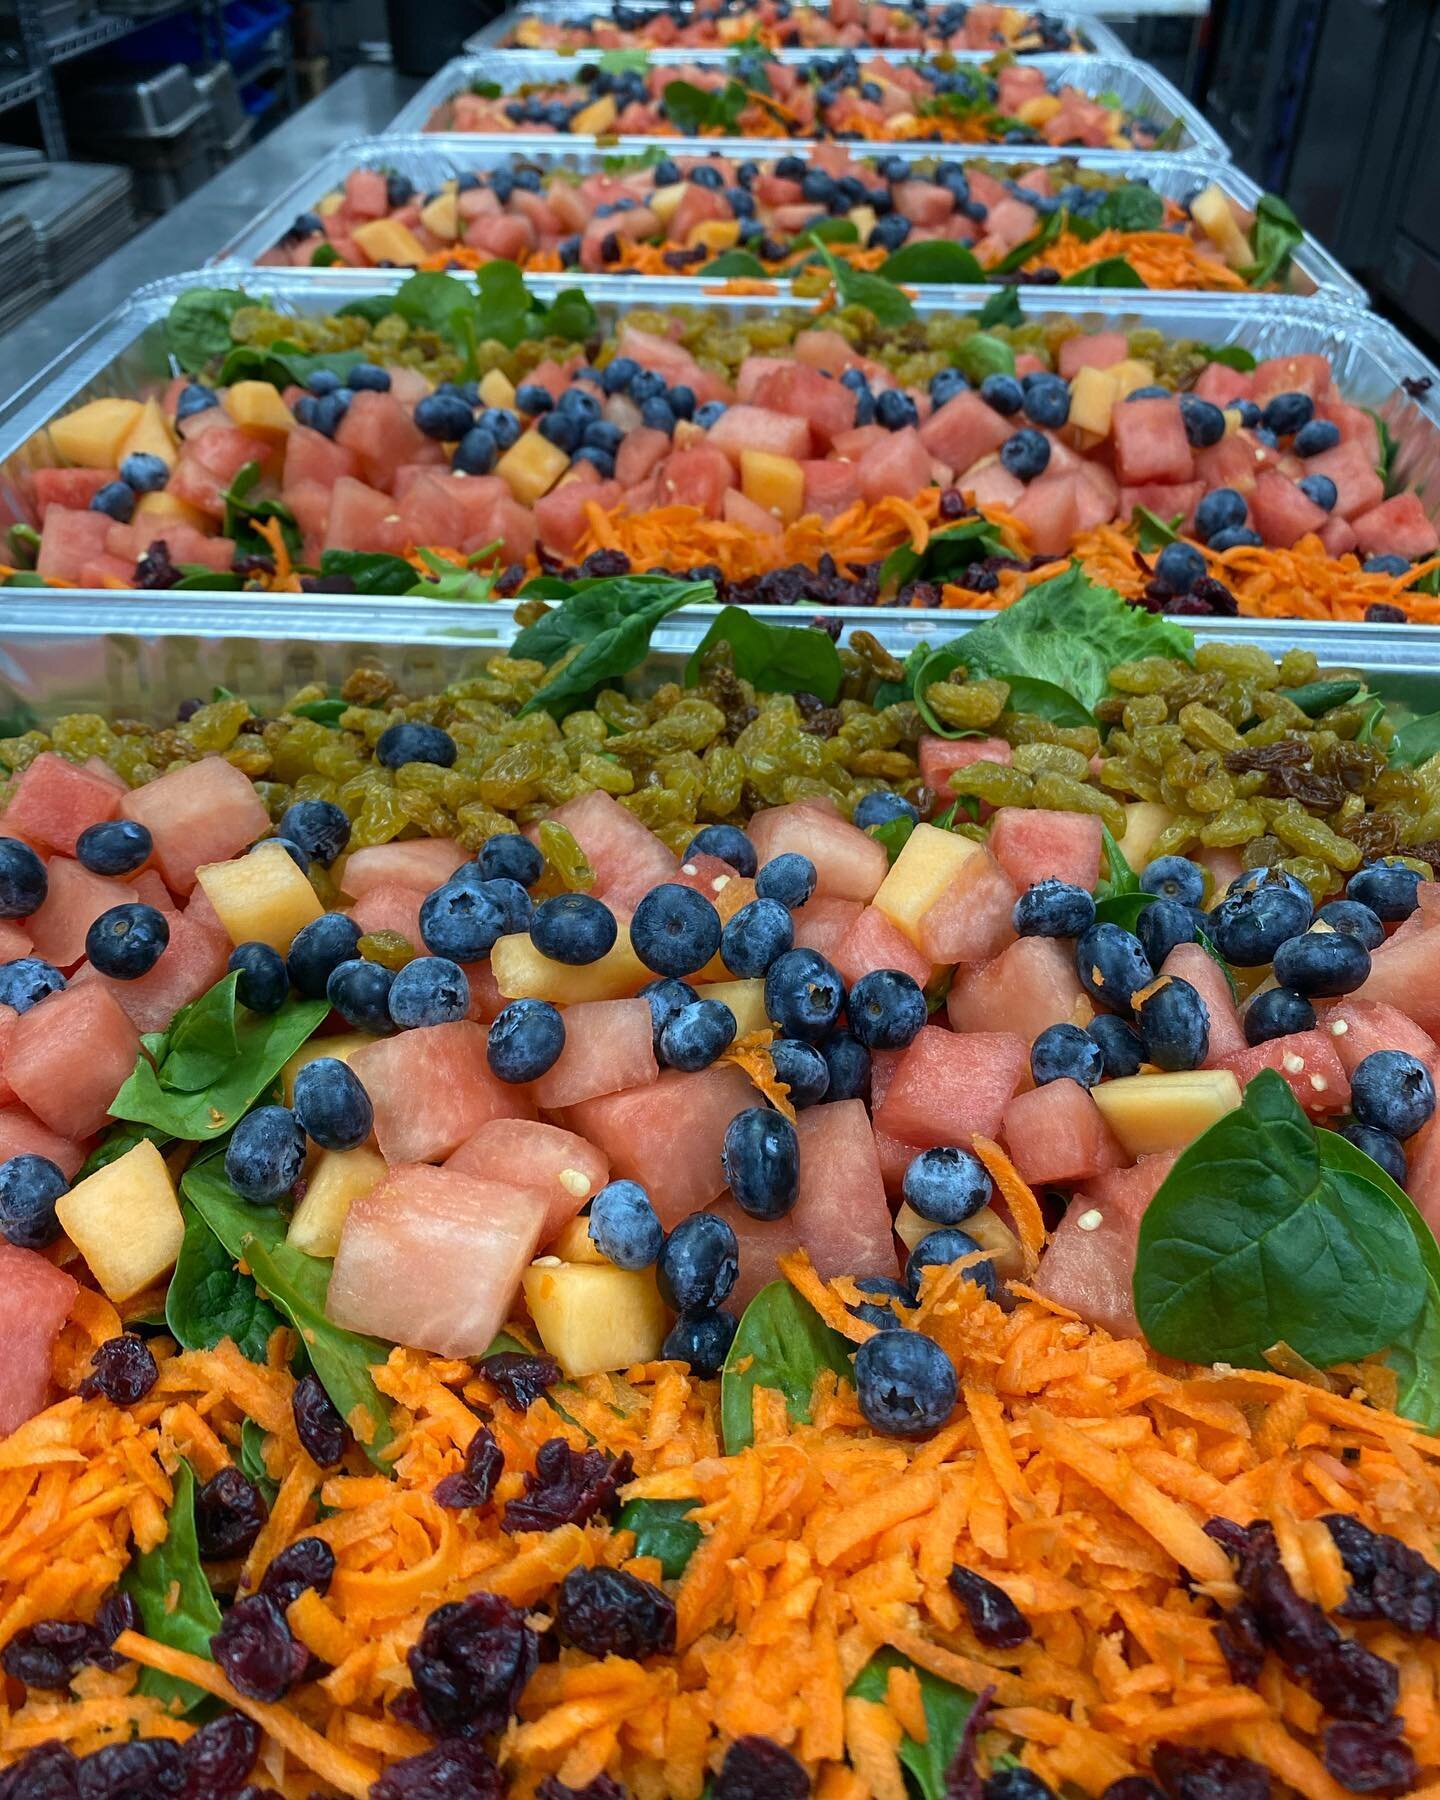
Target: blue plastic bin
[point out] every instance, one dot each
(247, 25)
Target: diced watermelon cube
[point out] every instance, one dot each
(1032, 844)
(55, 800)
(1150, 442)
(1358, 1028)
(74, 901)
(383, 435)
(1093, 350)
(1398, 526)
(1056, 1134)
(941, 757)
(364, 518)
(609, 1048)
(950, 1089)
(640, 452)
(70, 1092)
(563, 1170)
(201, 812)
(1405, 974)
(702, 475)
(830, 487)
(898, 468)
(849, 864)
(963, 430)
(1337, 535)
(759, 428)
(1358, 485)
(1188, 962)
(193, 962)
(1307, 1061)
(973, 919)
(1303, 374)
(560, 518)
(22, 1134)
(69, 541)
(627, 858)
(35, 1301)
(804, 393)
(365, 194)
(431, 512)
(423, 863)
(1049, 509)
(1089, 1264)
(432, 1089)
(1282, 514)
(311, 456)
(390, 907)
(1167, 500)
(823, 923)
(1026, 989)
(873, 942)
(74, 488)
(486, 1001)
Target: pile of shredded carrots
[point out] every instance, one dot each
(1162, 259)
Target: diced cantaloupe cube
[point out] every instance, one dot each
(863, 219)
(94, 435)
(496, 388)
(715, 234)
(441, 216)
(261, 898)
(775, 482)
(1040, 110)
(1093, 393)
(1212, 212)
(342, 1046)
(1133, 373)
(387, 240)
(151, 436)
(1151, 1113)
(665, 200)
(330, 205)
(598, 116)
(257, 406)
(522, 973)
(1144, 821)
(925, 868)
(574, 1244)
(987, 1228)
(531, 467)
(125, 1221)
(746, 999)
(593, 1317)
(165, 508)
(335, 1179)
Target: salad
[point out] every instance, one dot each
(469, 435)
(717, 216)
(842, 1228)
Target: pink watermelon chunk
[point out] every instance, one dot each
(423, 863)
(379, 430)
(387, 906)
(193, 962)
(1307, 1061)
(1093, 350)
(1423, 1181)
(973, 919)
(432, 1089)
(1056, 1134)
(949, 1089)
(824, 923)
(840, 1217)
(1188, 962)
(74, 901)
(69, 542)
(202, 812)
(609, 1048)
(563, 1170)
(963, 430)
(1358, 1028)
(311, 456)
(433, 1257)
(742, 428)
(74, 488)
(1031, 844)
(486, 1001)
(22, 1134)
(849, 865)
(15, 941)
(1089, 1264)
(941, 757)
(898, 468)
(1405, 974)
(872, 942)
(1030, 986)
(361, 517)
(1352, 468)
(667, 1136)
(1282, 514)
(1399, 525)
(1150, 442)
(54, 801)
(627, 857)
(68, 1092)
(35, 1301)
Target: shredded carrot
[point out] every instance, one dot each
(1162, 259)
(752, 1054)
(1024, 1208)
(284, 580)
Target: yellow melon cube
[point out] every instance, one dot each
(715, 234)
(595, 118)
(496, 388)
(573, 1243)
(442, 216)
(775, 482)
(334, 1179)
(1213, 213)
(1092, 401)
(746, 999)
(1133, 373)
(387, 240)
(664, 201)
(257, 406)
(1151, 1113)
(522, 973)
(343, 1046)
(93, 436)
(923, 871)
(151, 436)
(331, 204)
(863, 219)
(165, 508)
(1144, 821)
(593, 1317)
(531, 467)
(125, 1221)
(1039, 110)
(261, 898)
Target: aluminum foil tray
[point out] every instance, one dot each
(1140, 88)
(430, 158)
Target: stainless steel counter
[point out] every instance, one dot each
(364, 101)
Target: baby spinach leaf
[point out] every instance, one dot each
(173, 1595)
(1234, 356)
(324, 256)
(1133, 207)
(698, 110)
(735, 265)
(948, 551)
(487, 90)
(1389, 450)
(778, 659)
(888, 304)
(624, 62)
(665, 1529)
(243, 511)
(1110, 272)
(936, 259)
(282, 363)
(449, 581)
(209, 1299)
(453, 310)
(120, 1142)
(1317, 697)
(834, 231)
(781, 1343)
(1416, 741)
(1277, 233)
(295, 1284)
(1028, 693)
(1002, 308)
(322, 712)
(252, 1461)
(946, 1710)
(611, 622)
(569, 315)
(983, 354)
(1153, 531)
(197, 327)
(894, 834)
(370, 570)
(1253, 1241)
(24, 578)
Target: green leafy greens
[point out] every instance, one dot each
(197, 327)
(778, 659)
(947, 1708)
(781, 1343)
(600, 631)
(947, 553)
(209, 1299)
(243, 512)
(1277, 234)
(662, 1528)
(935, 259)
(176, 1605)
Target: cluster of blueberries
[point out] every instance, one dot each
(1289, 421)
(140, 473)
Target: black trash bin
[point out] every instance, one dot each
(425, 34)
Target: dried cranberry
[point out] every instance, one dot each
(1417, 386)
(1189, 1774)
(124, 1371)
(318, 1424)
(605, 563)
(567, 1488)
(953, 504)
(1388, 1580)
(50, 1654)
(609, 1612)
(155, 570)
(601, 1788)
(118, 1612)
(1381, 612)
(220, 1756)
(251, 1792)
(1369, 1759)
(994, 1617)
(307, 1563)
(229, 1513)
(756, 1768)
(48, 1772)
(1238, 1635)
(1132, 1787)
(471, 1663)
(144, 1769)
(475, 1483)
(255, 1649)
(962, 1778)
(1216, 596)
(520, 1379)
(455, 1769)
(327, 584)
(1354, 1683)
(255, 564)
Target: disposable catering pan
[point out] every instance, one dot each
(430, 159)
(1097, 36)
(1134, 85)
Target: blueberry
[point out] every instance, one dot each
(409, 742)
(880, 807)
(1026, 454)
(476, 453)
(1288, 413)
(803, 994)
(1047, 402)
(1322, 962)
(360, 992)
(1119, 1043)
(533, 399)
(727, 842)
(143, 473)
(1248, 927)
(511, 857)
(1380, 1146)
(501, 424)
(1392, 1091)
(319, 827)
(331, 1104)
(580, 404)
(682, 401)
(803, 1070)
(195, 399)
(699, 1264)
(369, 377)
(322, 382)
(1320, 489)
(624, 1225)
(1386, 565)
(761, 1160)
(26, 981)
(753, 937)
(265, 1155)
(945, 384)
(1277, 1012)
(288, 845)
(1174, 878)
(563, 430)
(789, 878)
(946, 1185)
(1112, 965)
(647, 384)
(317, 948)
(1053, 909)
(431, 990)
(706, 415)
(1268, 875)
(264, 985)
(1316, 437)
(127, 941)
(29, 1188)
(1179, 567)
(847, 1067)
(115, 500)
(1358, 920)
(666, 997)
(1161, 926)
(1066, 1053)
(461, 921)
(698, 1035)
(894, 409)
(1222, 509)
(1003, 393)
(886, 1008)
(1236, 540)
(945, 1245)
(1389, 889)
(702, 1340)
(1203, 420)
(1249, 412)
(1174, 1025)
(23, 881)
(675, 931)
(600, 460)
(525, 1040)
(444, 417)
(1153, 392)
(573, 928)
(604, 436)
(905, 1383)
(618, 375)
